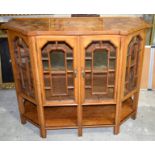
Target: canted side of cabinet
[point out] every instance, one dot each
(24, 73)
(20, 53)
(132, 69)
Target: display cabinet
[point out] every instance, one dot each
(77, 72)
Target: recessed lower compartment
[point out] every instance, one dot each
(61, 117)
(104, 115)
(66, 116)
(55, 117)
(127, 109)
(98, 115)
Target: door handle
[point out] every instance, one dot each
(83, 73)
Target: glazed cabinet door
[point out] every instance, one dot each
(133, 66)
(58, 69)
(22, 65)
(99, 59)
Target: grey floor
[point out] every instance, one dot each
(143, 128)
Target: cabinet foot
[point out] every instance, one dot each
(134, 116)
(23, 120)
(80, 132)
(116, 130)
(43, 133)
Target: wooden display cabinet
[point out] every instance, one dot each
(77, 72)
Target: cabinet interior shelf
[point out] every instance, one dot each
(103, 115)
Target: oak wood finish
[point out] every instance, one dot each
(78, 69)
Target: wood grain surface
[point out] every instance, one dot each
(77, 25)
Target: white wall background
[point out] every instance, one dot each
(5, 18)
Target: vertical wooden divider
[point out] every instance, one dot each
(141, 60)
(91, 71)
(79, 87)
(50, 72)
(38, 92)
(108, 65)
(66, 74)
(119, 85)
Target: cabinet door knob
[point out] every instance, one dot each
(83, 73)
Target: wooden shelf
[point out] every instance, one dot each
(94, 115)
(99, 102)
(98, 115)
(127, 109)
(58, 103)
(54, 116)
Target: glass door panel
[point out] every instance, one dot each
(57, 59)
(100, 60)
(59, 85)
(132, 63)
(100, 66)
(99, 84)
(58, 70)
(23, 64)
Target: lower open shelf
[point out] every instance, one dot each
(66, 117)
(98, 115)
(55, 117)
(127, 109)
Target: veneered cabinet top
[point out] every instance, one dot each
(77, 25)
